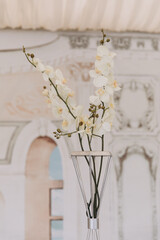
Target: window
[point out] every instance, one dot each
(56, 196)
(44, 191)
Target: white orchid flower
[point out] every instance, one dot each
(35, 61)
(57, 111)
(109, 90)
(40, 67)
(107, 126)
(58, 108)
(45, 92)
(84, 124)
(81, 121)
(60, 97)
(106, 59)
(65, 91)
(103, 67)
(67, 123)
(103, 95)
(98, 130)
(112, 54)
(48, 73)
(78, 110)
(59, 77)
(109, 114)
(108, 118)
(72, 104)
(115, 86)
(88, 131)
(102, 51)
(94, 73)
(89, 123)
(52, 93)
(95, 100)
(100, 81)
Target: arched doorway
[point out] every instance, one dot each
(43, 187)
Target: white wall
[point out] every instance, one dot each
(131, 205)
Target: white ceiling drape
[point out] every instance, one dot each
(114, 15)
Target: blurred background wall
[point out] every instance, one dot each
(39, 194)
(132, 201)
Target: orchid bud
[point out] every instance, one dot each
(81, 123)
(24, 50)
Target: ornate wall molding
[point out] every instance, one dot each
(122, 43)
(18, 127)
(119, 41)
(127, 45)
(136, 106)
(81, 41)
(122, 149)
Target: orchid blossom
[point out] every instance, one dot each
(60, 97)
(101, 113)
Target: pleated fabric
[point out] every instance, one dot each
(113, 15)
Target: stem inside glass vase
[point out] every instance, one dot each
(97, 180)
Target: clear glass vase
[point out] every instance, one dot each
(92, 169)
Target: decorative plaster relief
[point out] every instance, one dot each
(126, 43)
(147, 148)
(143, 154)
(23, 100)
(80, 70)
(119, 41)
(26, 105)
(79, 41)
(9, 132)
(6, 134)
(136, 106)
(76, 68)
(155, 44)
(123, 43)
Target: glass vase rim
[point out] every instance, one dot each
(91, 153)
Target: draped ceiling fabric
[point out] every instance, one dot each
(114, 15)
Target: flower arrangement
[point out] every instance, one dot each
(74, 121)
(60, 97)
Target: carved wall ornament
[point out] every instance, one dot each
(135, 106)
(79, 41)
(149, 150)
(143, 43)
(155, 44)
(80, 69)
(140, 44)
(121, 42)
(19, 125)
(27, 105)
